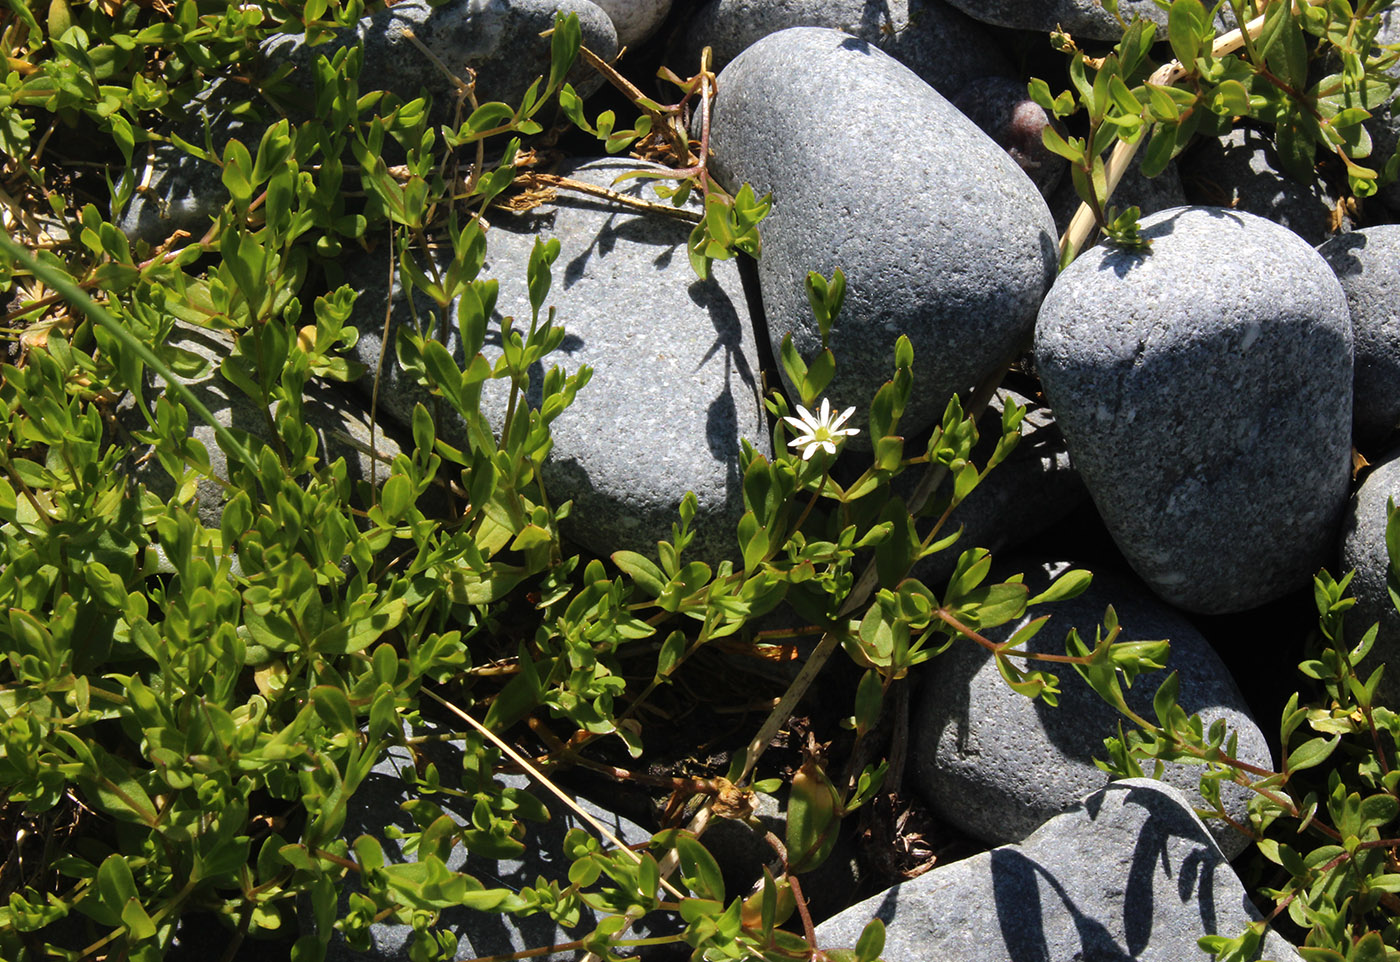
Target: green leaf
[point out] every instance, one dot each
(1160, 148)
(869, 700)
(396, 497)
(642, 570)
(1186, 24)
(699, 870)
(819, 375)
(115, 884)
(334, 708)
(871, 942)
(563, 47)
(1311, 753)
(672, 649)
(812, 819)
(1070, 584)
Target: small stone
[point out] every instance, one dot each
(1130, 873)
(496, 42)
(1241, 170)
(1004, 111)
(1082, 19)
(1363, 549)
(635, 20)
(1367, 262)
(332, 411)
(952, 245)
(1204, 390)
(997, 765)
(943, 46)
(675, 387)
(498, 39)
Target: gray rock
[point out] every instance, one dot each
(1024, 495)
(333, 412)
(635, 20)
(1204, 390)
(943, 46)
(1367, 262)
(378, 805)
(498, 39)
(1083, 19)
(1363, 549)
(998, 765)
(1147, 194)
(1241, 170)
(953, 246)
(1130, 873)
(1004, 111)
(675, 372)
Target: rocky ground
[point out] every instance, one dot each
(1191, 438)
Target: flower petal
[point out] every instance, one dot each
(841, 419)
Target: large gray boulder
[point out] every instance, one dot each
(952, 245)
(998, 765)
(1084, 19)
(676, 379)
(944, 46)
(1363, 549)
(1367, 262)
(1130, 873)
(635, 20)
(1204, 390)
(497, 40)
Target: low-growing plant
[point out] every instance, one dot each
(187, 712)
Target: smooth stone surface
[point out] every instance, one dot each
(1002, 109)
(998, 765)
(1031, 490)
(675, 371)
(1367, 262)
(375, 806)
(1084, 19)
(498, 39)
(635, 20)
(333, 412)
(1363, 549)
(943, 46)
(1204, 390)
(1129, 874)
(1241, 170)
(952, 246)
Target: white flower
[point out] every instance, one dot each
(819, 433)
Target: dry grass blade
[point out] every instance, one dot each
(540, 777)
